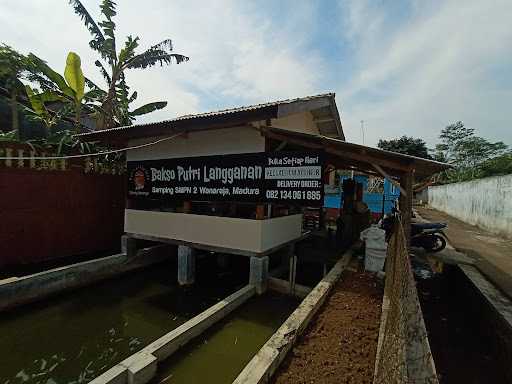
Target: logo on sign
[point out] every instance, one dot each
(140, 179)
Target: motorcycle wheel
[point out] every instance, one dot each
(438, 243)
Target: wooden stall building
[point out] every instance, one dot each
(236, 181)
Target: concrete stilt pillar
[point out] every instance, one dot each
(223, 260)
(186, 265)
(258, 275)
(290, 252)
(128, 245)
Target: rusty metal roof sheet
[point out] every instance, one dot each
(206, 115)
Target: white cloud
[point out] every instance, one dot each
(405, 68)
(435, 67)
(238, 55)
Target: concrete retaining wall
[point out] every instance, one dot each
(21, 290)
(486, 203)
(262, 366)
(494, 312)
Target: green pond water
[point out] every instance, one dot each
(219, 355)
(76, 336)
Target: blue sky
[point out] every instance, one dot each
(404, 67)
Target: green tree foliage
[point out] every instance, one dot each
(471, 156)
(499, 165)
(114, 107)
(12, 67)
(406, 145)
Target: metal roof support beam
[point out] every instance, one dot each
(365, 158)
(392, 181)
(350, 165)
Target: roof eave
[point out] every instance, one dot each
(201, 123)
(337, 119)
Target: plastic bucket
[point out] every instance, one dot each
(374, 259)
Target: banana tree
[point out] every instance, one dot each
(39, 108)
(112, 65)
(68, 90)
(75, 81)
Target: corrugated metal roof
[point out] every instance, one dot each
(221, 112)
(253, 107)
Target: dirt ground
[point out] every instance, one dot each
(341, 343)
(492, 254)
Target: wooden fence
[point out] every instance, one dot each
(51, 209)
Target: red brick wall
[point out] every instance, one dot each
(46, 214)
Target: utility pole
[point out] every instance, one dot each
(362, 130)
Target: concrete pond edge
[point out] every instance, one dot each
(266, 361)
(16, 291)
(382, 328)
(140, 367)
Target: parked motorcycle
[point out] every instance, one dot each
(429, 236)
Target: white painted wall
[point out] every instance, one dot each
(298, 122)
(222, 141)
(486, 203)
(422, 196)
(227, 232)
(279, 230)
(203, 143)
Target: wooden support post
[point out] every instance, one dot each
(21, 161)
(8, 153)
(260, 212)
(406, 181)
(128, 246)
(292, 273)
(187, 206)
